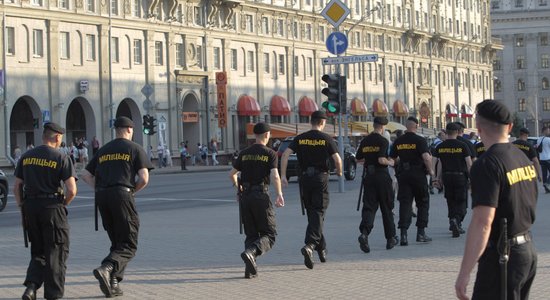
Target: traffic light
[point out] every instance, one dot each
(149, 125)
(335, 92)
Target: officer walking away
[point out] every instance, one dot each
(503, 186)
(543, 147)
(454, 163)
(377, 185)
(257, 166)
(528, 149)
(413, 156)
(314, 149)
(460, 137)
(43, 202)
(112, 172)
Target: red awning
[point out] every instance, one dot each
(307, 106)
(358, 108)
(248, 106)
(400, 109)
(451, 110)
(279, 106)
(466, 111)
(379, 108)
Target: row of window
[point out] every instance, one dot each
(545, 85)
(92, 6)
(519, 39)
(522, 104)
(544, 62)
(496, 4)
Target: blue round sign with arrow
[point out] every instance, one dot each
(337, 43)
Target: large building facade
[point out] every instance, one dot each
(82, 63)
(522, 69)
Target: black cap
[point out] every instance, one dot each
(452, 126)
(495, 111)
(54, 127)
(412, 119)
(319, 114)
(381, 120)
(261, 128)
(524, 130)
(460, 124)
(124, 122)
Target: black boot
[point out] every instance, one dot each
(103, 275)
(421, 236)
(453, 225)
(115, 288)
(307, 252)
(391, 243)
(404, 241)
(322, 255)
(249, 258)
(460, 229)
(364, 242)
(30, 292)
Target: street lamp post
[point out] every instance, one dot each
(456, 80)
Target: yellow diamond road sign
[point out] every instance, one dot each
(335, 12)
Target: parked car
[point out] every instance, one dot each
(350, 163)
(3, 190)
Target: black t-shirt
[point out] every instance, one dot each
(526, 148)
(471, 148)
(314, 149)
(42, 169)
(506, 179)
(410, 147)
(256, 163)
(117, 163)
(480, 148)
(452, 153)
(371, 148)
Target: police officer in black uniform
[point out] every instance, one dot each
(453, 167)
(257, 164)
(503, 186)
(112, 172)
(414, 159)
(38, 192)
(528, 149)
(480, 148)
(377, 185)
(460, 137)
(314, 149)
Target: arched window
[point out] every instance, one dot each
(545, 83)
(522, 104)
(521, 85)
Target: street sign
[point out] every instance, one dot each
(337, 43)
(147, 90)
(350, 59)
(335, 12)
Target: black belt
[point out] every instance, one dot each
(264, 188)
(115, 187)
(453, 173)
(519, 239)
(44, 196)
(312, 171)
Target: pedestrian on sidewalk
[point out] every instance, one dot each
(214, 151)
(504, 186)
(160, 155)
(543, 147)
(39, 174)
(112, 172)
(95, 145)
(313, 149)
(377, 185)
(183, 155)
(257, 167)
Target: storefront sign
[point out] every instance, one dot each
(190, 117)
(221, 86)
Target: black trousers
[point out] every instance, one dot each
(314, 190)
(120, 220)
(48, 231)
(183, 161)
(258, 221)
(545, 168)
(522, 268)
(456, 193)
(413, 185)
(378, 191)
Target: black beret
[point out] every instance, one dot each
(495, 111)
(261, 128)
(319, 114)
(124, 122)
(412, 119)
(453, 126)
(524, 130)
(460, 124)
(54, 127)
(381, 120)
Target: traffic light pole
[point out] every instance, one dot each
(341, 186)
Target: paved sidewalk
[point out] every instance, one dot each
(194, 254)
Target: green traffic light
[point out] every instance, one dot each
(146, 131)
(329, 107)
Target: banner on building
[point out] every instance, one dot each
(190, 117)
(221, 86)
